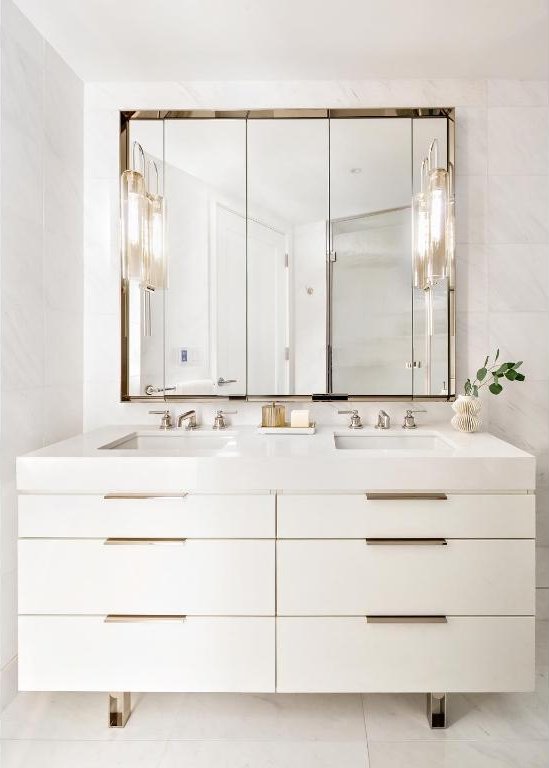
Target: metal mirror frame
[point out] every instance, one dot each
(422, 112)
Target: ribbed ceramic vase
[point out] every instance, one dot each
(467, 410)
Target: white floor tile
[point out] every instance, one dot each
(281, 717)
(497, 716)
(81, 754)
(265, 754)
(74, 716)
(471, 716)
(459, 754)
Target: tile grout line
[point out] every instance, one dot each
(365, 731)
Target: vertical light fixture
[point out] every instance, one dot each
(156, 271)
(420, 229)
(133, 209)
(433, 223)
(439, 194)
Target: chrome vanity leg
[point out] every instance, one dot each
(120, 707)
(436, 709)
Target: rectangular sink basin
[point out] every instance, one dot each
(404, 442)
(181, 444)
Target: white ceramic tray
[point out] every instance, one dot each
(288, 430)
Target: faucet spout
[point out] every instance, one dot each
(191, 416)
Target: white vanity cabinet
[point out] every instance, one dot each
(293, 587)
(147, 592)
(405, 592)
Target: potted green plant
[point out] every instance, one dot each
(493, 375)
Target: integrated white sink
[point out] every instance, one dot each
(180, 443)
(383, 442)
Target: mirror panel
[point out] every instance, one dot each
(145, 308)
(370, 267)
(430, 306)
(205, 168)
(288, 209)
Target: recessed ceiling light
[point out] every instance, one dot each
(356, 170)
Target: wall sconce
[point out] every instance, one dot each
(133, 214)
(142, 225)
(142, 214)
(433, 223)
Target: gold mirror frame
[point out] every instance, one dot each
(127, 116)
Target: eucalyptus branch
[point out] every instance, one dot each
(492, 374)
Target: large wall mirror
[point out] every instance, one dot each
(289, 256)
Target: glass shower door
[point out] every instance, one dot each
(371, 304)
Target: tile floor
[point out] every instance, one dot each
(329, 731)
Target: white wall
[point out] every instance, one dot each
(41, 275)
(502, 234)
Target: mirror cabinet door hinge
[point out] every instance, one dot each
(286, 353)
(286, 260)
(332, 256)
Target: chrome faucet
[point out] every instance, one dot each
(219, 421)
(383, 420)
(166, 421)
(409, 421)
(191, 416)
(356, 422)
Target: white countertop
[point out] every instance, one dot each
(278, 462)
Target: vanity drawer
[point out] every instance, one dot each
(353, 577)
(333, 516)
(72, 653)
(350, 654)
(192, 516)
(130, 576)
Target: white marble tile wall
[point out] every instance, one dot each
(502, 237)
(42, 274)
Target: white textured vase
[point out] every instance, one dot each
(467, 409)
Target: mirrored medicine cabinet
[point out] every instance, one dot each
(288, 257)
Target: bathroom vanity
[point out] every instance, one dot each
(157, 560)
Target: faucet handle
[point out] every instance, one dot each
(219, 421)
(409, 421)
(356, 421)
(166, 421)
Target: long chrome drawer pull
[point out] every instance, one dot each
(406, 619)
(138, 496)
(144, 541)
(411, 542)
(122, 618)
(406, 497)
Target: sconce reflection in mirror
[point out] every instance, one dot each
(143, 221)
(433, 238)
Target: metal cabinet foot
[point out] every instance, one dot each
(436, 709)
(120, 707)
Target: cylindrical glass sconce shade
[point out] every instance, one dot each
(451, 240)
(155, 250)
(134, 215)
(420, 238)
(437, 261)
